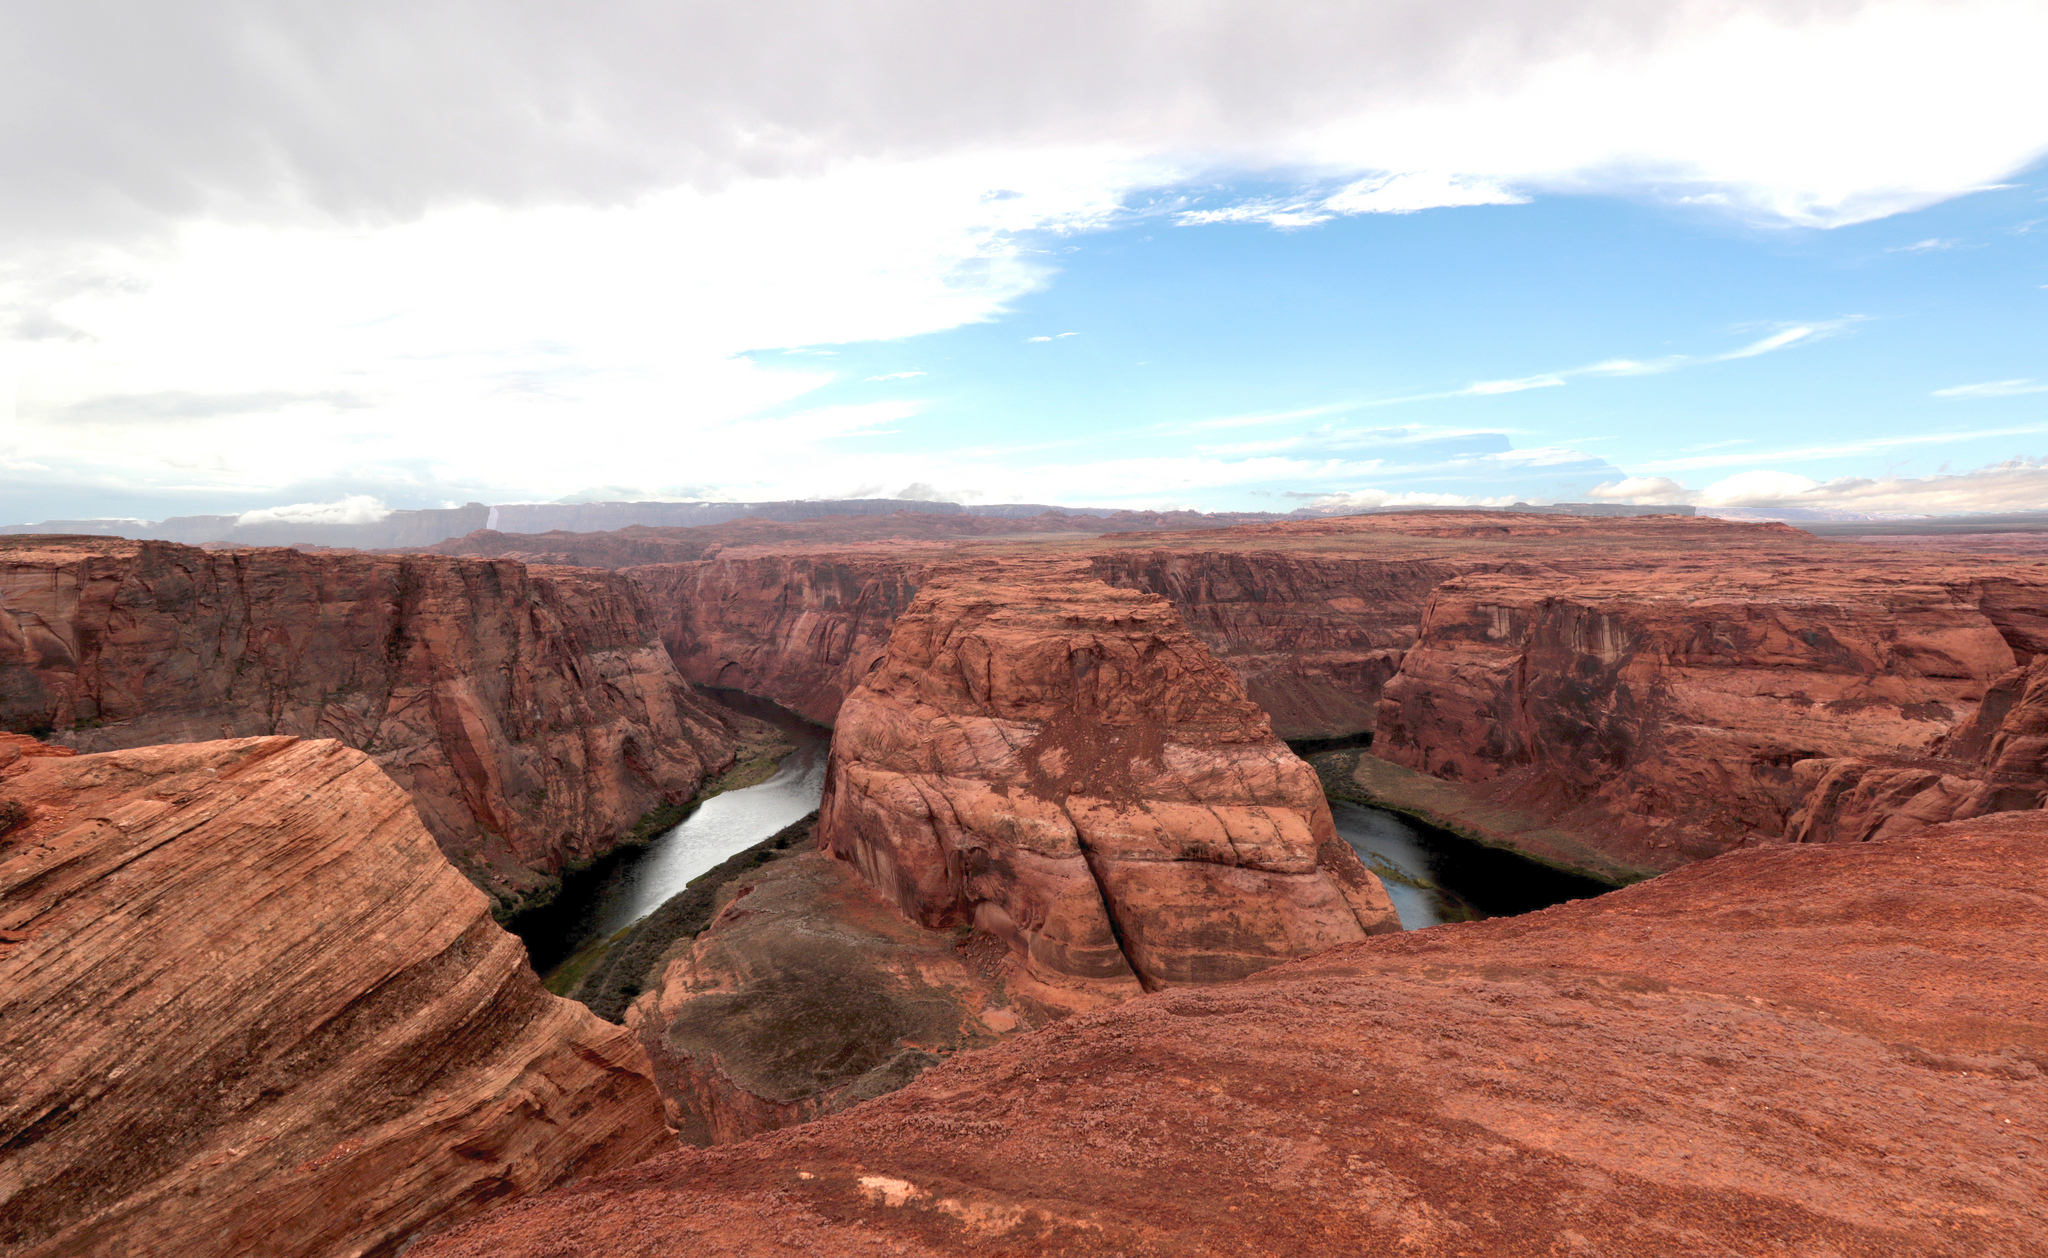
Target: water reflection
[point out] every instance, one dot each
(1434, 876)
(721, 826)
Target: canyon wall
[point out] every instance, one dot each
(1795, 1050)
(532, 713)
(247, 1008)
(799, 628)
(1062, 765)
(1313, 637)
(1674, 714)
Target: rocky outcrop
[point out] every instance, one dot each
(1796, 1050)
(247, 1008)
(808, 994)
(1060, 764)
(1676, 711)
(799, 628)
(1313, 616)
(532, 713)
(1314, 637)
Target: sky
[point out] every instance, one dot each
(327, 261)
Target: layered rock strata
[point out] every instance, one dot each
(1313, 616)
(1060, 764)
(532, 713)
(1778, 1052)
(1678, 711)
(247, 1008)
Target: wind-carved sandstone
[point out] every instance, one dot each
(246, 1008)
(1062, 765)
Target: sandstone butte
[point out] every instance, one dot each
(1668, 687)
(532, 713)
(1782, 1052)
(1065, 799)
(247, 1008)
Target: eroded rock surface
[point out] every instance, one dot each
(1792, 1051)
(807, 994)
(1678, 709)
(1060, 764)
(247, 1008)
(532, 713)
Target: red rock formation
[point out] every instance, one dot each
(808, 994)
(532, 713)
(1676, 709)
(1061, 764)
(246, 1008)
(1312, 615)
(1314, 637)
(794, 627)
(1790, 1051)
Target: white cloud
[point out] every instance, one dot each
(465, 345)
(1931, 245)
(896, 375)
(2011, 485)
(1784, 338)
(1994, 388)
(1378, 194)
(1487, 388)
(405, 244)
(354, 509)
(1839, 449)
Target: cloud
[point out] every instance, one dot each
(1059, 336)
(1784, 338)
(2011, 485)
(1839, 449)
(354, 509)
(897, 375)
(1380, 194)
(376, 112)
(1994, 388)
(1931, 245)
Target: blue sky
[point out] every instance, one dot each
(1755, 255)
(1236, 339)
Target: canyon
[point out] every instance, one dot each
(1793, 1050)
(248, 1008)
(1676, 686)
(1072, 957)
(531, 712)
(1064, 799)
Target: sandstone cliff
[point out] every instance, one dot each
(1313, 616)
(798, 628)
(532, 713)
(246, 1008)
(1680, 708)
(1062, 765)
(1783, 1052)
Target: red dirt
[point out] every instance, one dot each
(1794, 1051)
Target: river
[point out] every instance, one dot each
(1432, 876)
